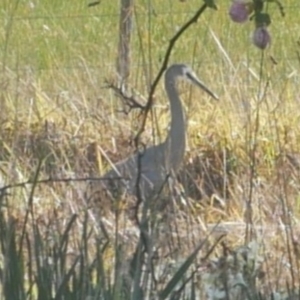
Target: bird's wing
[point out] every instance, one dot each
(151, 166)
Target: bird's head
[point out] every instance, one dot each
(189, 75)
(185, 72)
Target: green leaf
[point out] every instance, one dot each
(211, 4)
(262, 19)
(184, 267)
(279, 5)
(258, 5)
(178, 275)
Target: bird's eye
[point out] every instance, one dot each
(188, 75)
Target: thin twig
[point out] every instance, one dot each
(129, 101)
(52, 180)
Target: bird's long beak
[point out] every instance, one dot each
(199, 83)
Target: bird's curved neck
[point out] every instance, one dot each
(175, 142)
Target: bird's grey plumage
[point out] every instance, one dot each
(160, 160)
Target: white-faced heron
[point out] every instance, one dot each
(159, 161)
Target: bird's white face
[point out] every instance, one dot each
(189, 75)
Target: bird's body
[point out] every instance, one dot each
(153, 175)
(159, 161)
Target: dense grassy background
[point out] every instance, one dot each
(55, 58)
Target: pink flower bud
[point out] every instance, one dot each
(261, 37)
(239, 11)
